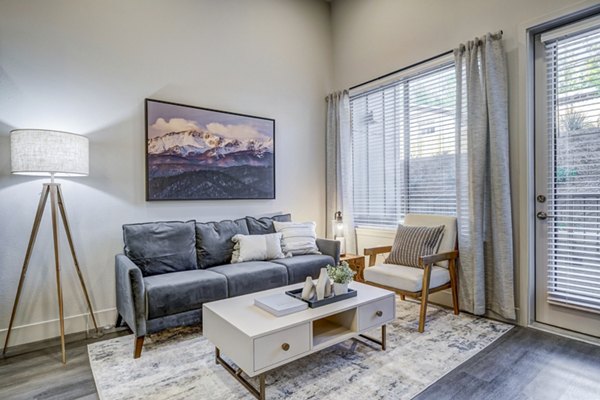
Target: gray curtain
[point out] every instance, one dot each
(482, 168)
(339, 165)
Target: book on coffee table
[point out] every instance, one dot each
(280, 304)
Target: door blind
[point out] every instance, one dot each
(403, 144)
(573, 227)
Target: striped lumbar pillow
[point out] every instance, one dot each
(298, 238)
(412, 242)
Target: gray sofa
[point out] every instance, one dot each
(169, 269)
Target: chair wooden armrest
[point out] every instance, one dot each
(373, 251)
(428, 260)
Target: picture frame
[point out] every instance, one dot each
(197, 153)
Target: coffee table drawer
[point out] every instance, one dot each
(279, 346)
(376, 313)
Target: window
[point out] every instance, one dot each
(403, 145)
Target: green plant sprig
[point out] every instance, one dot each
(341, 274)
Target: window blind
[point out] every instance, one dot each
(573, 228)
(403, 144)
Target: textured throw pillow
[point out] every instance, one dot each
(298, 238)
(412, 242)
(256, 247)
(161, 247)
(264, 225)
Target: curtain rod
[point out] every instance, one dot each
(405, 68)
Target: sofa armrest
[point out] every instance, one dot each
(131, 304)
(330, 247)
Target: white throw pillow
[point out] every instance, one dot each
(256, 247)
(298, 238)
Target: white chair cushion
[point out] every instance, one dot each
(448, 242)
(405, 278)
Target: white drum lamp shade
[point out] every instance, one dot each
(44, 153)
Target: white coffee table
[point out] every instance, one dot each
(258, 342)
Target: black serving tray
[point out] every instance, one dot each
(313, 303)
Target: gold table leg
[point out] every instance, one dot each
(382, 342)
(259, 393)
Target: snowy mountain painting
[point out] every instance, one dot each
(201, 154)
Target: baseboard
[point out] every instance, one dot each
(565, 333)
(443, 298)
(50, 329)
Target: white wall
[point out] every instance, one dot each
(371, 38)
(86, 67)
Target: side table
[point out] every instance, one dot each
(356, 263)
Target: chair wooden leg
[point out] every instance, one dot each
(454, 285)
(424, 296)
(402, 297)
(139, 343)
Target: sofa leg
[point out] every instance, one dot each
(119, 321)
(139, 342)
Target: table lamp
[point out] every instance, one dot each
(338, 231)
(40, 152)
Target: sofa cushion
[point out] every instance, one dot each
(299, 267)
(160, 247)
(252, 276)
(177, 292)
(213, 241)
(264, 225)
(405, 278)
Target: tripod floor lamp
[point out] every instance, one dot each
(50, 153)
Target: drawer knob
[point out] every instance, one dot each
(379, 313)
(285, 346)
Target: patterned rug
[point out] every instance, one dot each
(179, 363)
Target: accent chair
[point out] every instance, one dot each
(435, 272)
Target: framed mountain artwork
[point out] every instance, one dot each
(195, 153)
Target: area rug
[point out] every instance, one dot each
(179, 363)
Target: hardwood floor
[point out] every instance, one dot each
(523, 364)
(36, 372)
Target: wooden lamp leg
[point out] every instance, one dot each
(56, 202)
(53, 206)
(63, 212)
(34, 231)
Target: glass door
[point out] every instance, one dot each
(567, 162)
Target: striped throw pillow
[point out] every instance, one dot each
(298, 238)
(412, 242)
